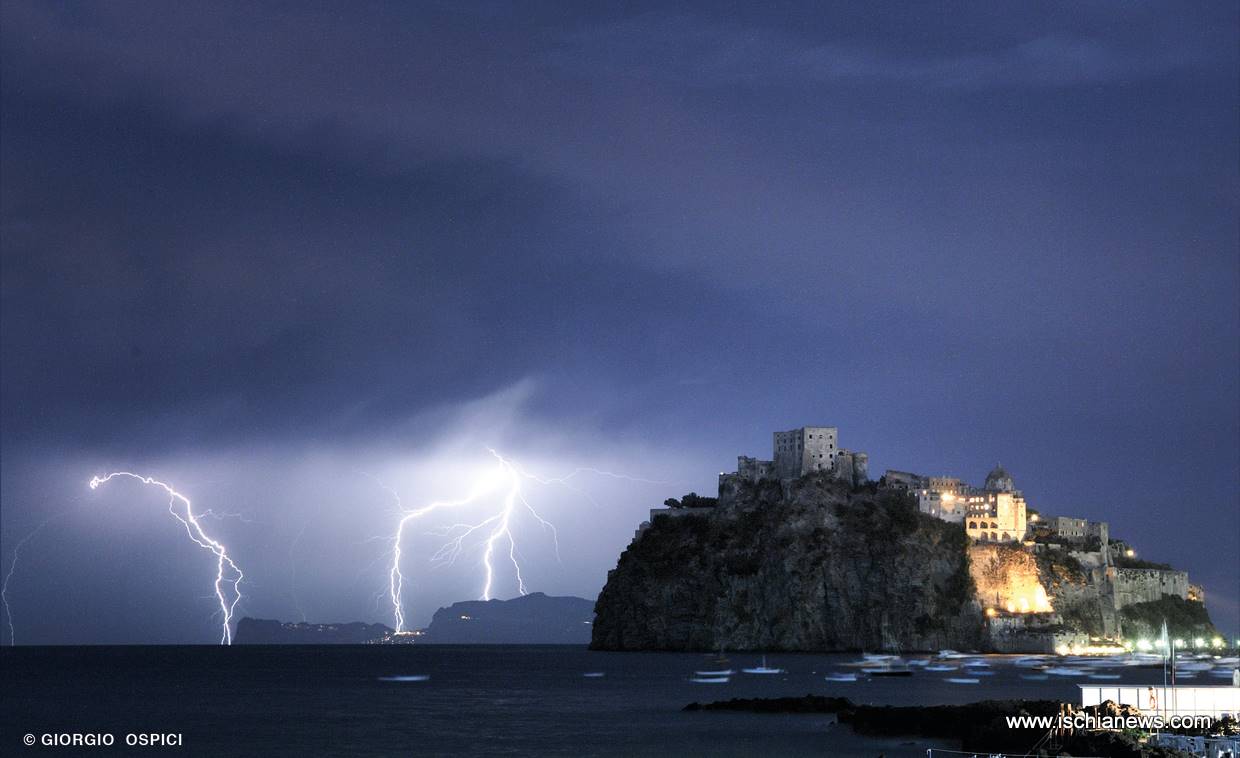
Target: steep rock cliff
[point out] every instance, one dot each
(1007, 578)
(1078, 594)
(810, 565)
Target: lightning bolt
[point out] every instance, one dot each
(505, 477)
(193, 528)
(4, 588)
(396, 579)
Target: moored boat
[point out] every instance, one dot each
(763, 669)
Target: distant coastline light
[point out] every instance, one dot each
(1096, 649)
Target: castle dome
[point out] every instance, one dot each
(999, 479)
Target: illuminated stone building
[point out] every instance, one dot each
(994, 512)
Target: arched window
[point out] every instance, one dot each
(1007, 537)
(972, 524)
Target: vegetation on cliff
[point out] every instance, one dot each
(808, 565)
(1125, 562)
(692, 500)
(1077, 600)
(1186, 619)
(1058, 567)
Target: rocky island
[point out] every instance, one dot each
(819, 565)
(805, 553)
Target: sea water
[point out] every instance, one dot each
(460, 700)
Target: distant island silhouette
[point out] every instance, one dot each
(252, 631)
(533, 619)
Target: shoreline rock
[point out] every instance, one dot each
(980, 726)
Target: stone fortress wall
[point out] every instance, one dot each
(1141, 585)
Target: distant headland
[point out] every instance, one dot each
(533, 619)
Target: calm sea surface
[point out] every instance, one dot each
(478, 700)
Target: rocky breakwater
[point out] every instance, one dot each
(981, 727)
(813, 564)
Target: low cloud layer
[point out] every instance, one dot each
(312, 526)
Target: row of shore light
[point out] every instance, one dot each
(1090, 650)
(1143, 645)
(1199, 643)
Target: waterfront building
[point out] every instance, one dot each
(1214, 701)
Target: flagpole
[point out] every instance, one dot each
(1167, 650)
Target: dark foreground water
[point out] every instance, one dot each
(478, 700)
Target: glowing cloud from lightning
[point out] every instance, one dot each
(227, 575)
(292, 561)
(495, 532)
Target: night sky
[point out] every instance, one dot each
(275, 252)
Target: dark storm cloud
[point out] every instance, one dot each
(962, 234)
(702, 52)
